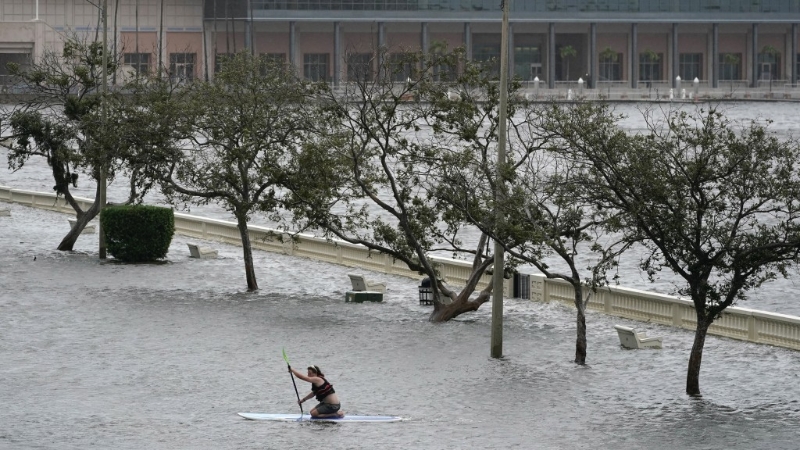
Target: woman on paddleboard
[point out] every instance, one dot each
(320, 387)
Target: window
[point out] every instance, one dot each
(139, 61)
(272, 60)
(221, 59)
(22, 59)
(690, 66)
(181, 65)
(610, 66)
(275, 58)
(359, 67)
(650, 66)
(402, 66)
(769, 60)
(527, 62)
(730, 66)
(315, 66)
(488, 54)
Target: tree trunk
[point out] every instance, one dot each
(696, 357)
(68, 243)
(455, 309)
(580, 339)
(247, 251)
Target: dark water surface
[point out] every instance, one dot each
(162, 356)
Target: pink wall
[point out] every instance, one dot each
(272, 43)
(362, 42)
(453, 40)
(692, 43)
(148, 42)
(654, 42)
(228, 42)
(403, 41)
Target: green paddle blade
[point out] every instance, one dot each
(285, 358)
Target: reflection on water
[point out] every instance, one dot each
(164, 356)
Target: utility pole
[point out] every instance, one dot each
(101, 194)
(499, 269)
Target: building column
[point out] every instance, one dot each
(592, 81)
(424, 38)
(248, 33)
(633, 57)
(551, 55)
(754, 57)
(293, 44)
(468, 40)
(381, 48)
(337, 53)
(511, 51)
(715, 55)
(793, 47)
(675, 55)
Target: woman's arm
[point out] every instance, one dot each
(310, 395)
(303, 377)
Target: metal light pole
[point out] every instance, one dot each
(499, 269)
(101, 194)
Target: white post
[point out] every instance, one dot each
(696, 87)
(580, 87)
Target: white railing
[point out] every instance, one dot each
(738, 323)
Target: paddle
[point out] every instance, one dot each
(286, 358)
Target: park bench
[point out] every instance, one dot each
(629, 338)
(195, 251)
(362, 284)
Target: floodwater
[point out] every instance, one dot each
(776, 296)
(162, 356)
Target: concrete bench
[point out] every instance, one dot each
(363, 296)
(89, 228)
(195, 251)
(5, 212)
(629, 338)
(361, 284)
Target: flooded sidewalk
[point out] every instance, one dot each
(162, 356)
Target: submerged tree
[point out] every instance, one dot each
(717, 204)
(243, 131)
(65, 121)
(387, 163)
(543, 218)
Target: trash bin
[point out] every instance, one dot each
(425, 292)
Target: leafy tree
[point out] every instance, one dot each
(714, 202)
(66, 122)
(567, 52)
(243, 132)
(379, 146)
(543, 213)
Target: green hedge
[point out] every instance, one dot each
(138, 233)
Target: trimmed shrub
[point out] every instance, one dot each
(138, 233)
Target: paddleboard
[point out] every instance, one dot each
(306, 418)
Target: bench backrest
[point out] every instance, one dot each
(359, 284)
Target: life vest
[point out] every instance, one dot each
(323, 390)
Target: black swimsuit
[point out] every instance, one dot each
(323, 390)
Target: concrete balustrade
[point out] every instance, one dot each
(738, 323)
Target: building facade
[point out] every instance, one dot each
(605, 43)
